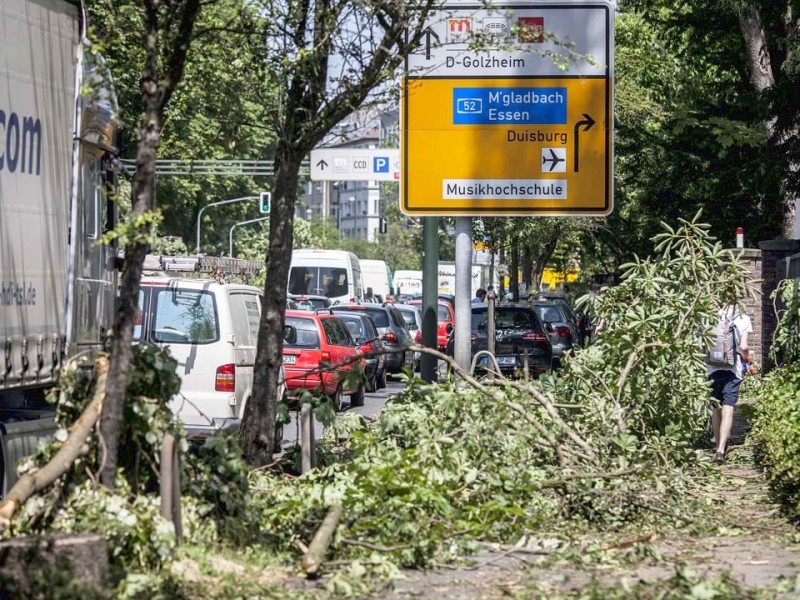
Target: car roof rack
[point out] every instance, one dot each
(219, 268)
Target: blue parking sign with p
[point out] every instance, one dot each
(380, 164)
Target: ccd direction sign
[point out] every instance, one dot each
(355, 164)
(504, 130)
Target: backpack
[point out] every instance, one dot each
(722, 353)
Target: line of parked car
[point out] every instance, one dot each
(344, 349)
(211, 329)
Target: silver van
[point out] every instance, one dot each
(211, 329)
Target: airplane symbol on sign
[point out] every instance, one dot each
(557, 156)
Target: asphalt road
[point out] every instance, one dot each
(372, 404)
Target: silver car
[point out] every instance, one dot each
(563, 330)
(412, 314)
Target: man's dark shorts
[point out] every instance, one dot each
(725, 387)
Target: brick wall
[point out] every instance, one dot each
(753, 306)
(773, 270)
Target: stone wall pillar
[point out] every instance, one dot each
(773, 270)
(753, 306)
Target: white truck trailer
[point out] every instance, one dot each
(59, 127)
(447, 278)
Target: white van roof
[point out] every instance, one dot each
(320, 253)
(196, 284)
(373, 263)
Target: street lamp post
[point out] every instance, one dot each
(200, 214)
(230, 233)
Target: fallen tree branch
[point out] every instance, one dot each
(663, 511)
(548, 406)
(376, 547)
(633, 358)
(31, 483)
(647, 539)
(510, 549)
(552, 483)
(312, 560)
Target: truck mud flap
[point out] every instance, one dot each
(19, 439)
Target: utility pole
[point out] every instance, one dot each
(430, 293)
(462, 350)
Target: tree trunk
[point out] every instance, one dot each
(758, 58)
(514, 272)
(762, 78)
(541, 260)
(156, 91)
(144, 183)
(258, 422)
(526, 267)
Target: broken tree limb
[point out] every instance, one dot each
(31, 483)
(312, 560)
(642, 539)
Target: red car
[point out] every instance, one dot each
(319, 355)
(446, 319)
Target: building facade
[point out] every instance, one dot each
(355, 206)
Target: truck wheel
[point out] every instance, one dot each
(357, 399)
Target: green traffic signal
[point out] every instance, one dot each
(264, 201)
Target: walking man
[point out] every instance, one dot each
(727, 362)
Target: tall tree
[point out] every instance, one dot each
(726, 138)
(217, 113)
(167, 27)
(327, 58)
(771, 52)
(689, 131)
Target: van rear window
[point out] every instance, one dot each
(318, 281)
(184, 317)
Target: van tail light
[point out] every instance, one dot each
(225, 381)
(390, 338)
(562, 331)
(536, 337)
(418, 337)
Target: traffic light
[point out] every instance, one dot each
(383, 227)
(264, 200)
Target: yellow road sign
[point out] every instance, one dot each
(502, 130)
